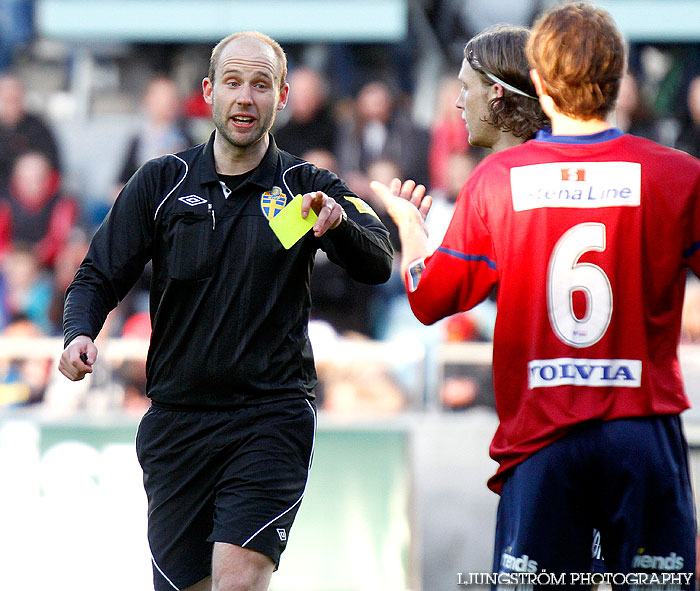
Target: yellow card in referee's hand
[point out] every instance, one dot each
(288, 224)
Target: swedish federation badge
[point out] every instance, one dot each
(272, 202)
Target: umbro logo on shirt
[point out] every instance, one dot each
(192, 200)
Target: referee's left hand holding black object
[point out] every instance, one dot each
(329, 213)
(78, 358)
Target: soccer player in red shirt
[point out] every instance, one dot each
(588, 233)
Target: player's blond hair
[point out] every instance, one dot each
(279, 53)
(580, 55)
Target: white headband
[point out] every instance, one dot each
(505, 85)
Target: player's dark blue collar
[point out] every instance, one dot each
(545, 135)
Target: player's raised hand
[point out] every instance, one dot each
(414, 193)
(399, 203)
(413, 232)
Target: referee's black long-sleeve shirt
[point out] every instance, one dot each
(229, 305)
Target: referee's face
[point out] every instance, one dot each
(245, 94)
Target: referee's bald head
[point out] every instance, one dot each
(276, 48)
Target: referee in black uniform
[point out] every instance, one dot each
(227, 443)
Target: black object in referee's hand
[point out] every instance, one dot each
(83, 357)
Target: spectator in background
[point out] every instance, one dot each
(322, 159)
(380, 128)
(348, 306)
(342, 306)
(25, 290)
(194, 106)
(383, 169)
(335, 297)
(67, 261)
(197, 114)
(386, 297)
(340, 300)
(20, 131)
(689, 137)
(310, 125)
(632, 113)
(132, 372)
(34, 210)
(163, 131)
(23, 381)
(447, 136)
(16, 28)
(459, 167)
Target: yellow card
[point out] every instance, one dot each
(288, 224)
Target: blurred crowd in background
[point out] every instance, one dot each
(360, 110)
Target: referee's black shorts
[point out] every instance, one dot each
(235, 476)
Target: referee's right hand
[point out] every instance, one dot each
(78, 358)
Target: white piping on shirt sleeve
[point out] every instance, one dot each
(285, 182)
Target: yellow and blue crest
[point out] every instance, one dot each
(272, 202)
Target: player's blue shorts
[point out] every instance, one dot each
(629, 479)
